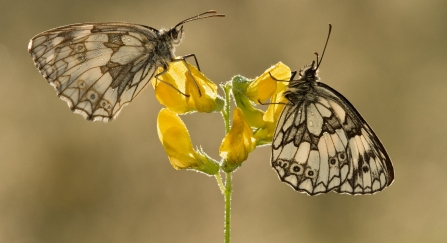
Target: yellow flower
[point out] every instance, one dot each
(247, 93)
(238, 143)
(178, 79)
(264, 86)
(177, 143)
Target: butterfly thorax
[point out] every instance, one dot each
(167, 40)
(303, 88)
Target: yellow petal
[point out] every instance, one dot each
(264, 134)
(205, 100)
(168, 95)
(264, 86)
(176, 140)
(238, 143)
(261, 89)
(178, 80)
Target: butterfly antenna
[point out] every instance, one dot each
(201, 16)
(316, 54)
(325, 45)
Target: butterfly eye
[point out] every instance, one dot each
(176, 35)
(309, 73)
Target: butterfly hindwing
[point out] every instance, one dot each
(322, 144)
(97, 68)
(370, 169)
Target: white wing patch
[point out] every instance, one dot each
(325, 146)
(96, 68)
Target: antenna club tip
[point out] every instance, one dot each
(213, 12)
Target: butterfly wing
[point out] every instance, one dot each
(324, 144)
(97, 68)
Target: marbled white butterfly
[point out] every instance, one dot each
(98, 68)
(321, 142)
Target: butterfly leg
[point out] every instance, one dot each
(183, 59)
(188, 56)
(271, 103)
(279, 80)
(165, 69)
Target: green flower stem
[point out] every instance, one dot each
(219, 182)
(226, 111)
(228, 191)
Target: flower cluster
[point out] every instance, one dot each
(183, 89)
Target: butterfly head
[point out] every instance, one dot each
(309, 73)
(176, 33)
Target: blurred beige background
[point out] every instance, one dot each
(64, 179)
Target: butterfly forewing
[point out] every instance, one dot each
(322, 144)
(97, 68)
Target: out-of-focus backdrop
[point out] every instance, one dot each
(65, 179)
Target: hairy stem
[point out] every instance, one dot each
(228, 191)
(220, 183)
(226, 110)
